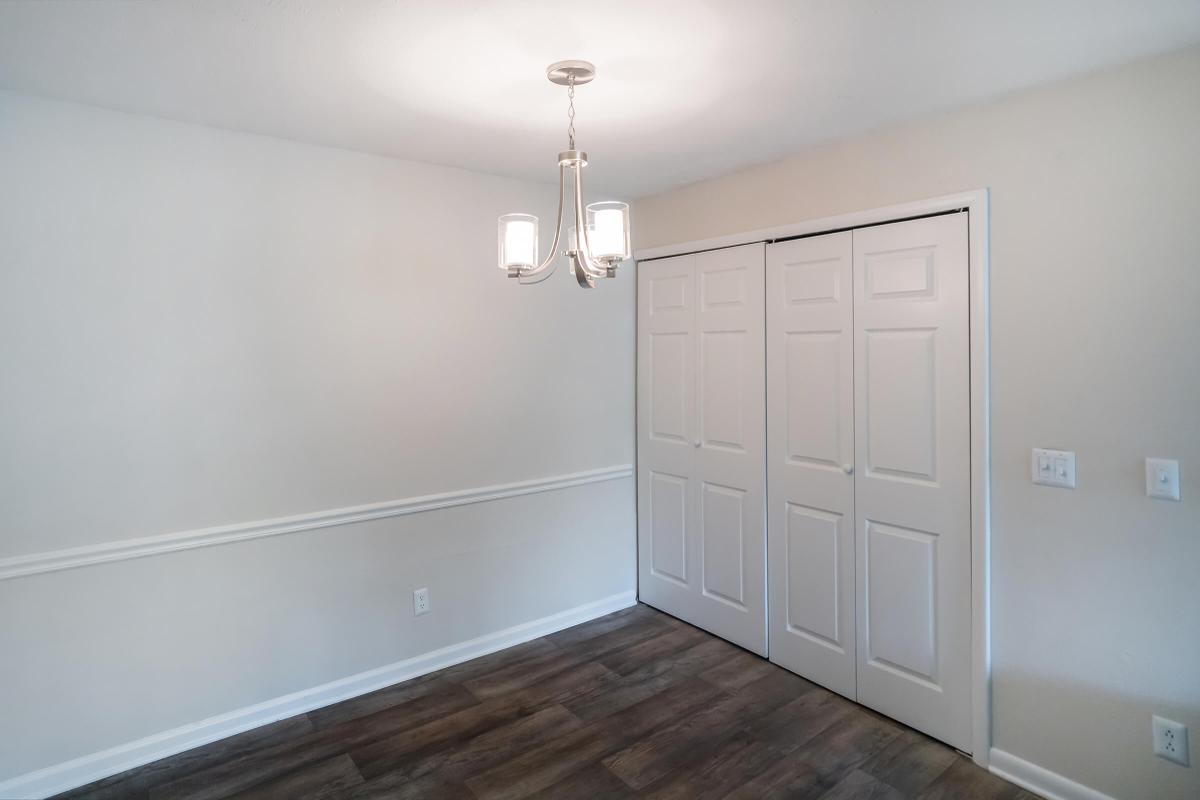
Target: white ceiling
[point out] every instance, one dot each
(686, 89)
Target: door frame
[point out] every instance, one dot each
(975, 202)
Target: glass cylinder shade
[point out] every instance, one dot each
(518, 241)
(572, 237)
(608, 230)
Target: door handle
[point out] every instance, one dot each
(848, 469)
(696, 443)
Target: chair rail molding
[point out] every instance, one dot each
(124, 549)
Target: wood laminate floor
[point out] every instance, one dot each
(634, 704)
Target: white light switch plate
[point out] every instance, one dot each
(1162, 478)
(1054, 468)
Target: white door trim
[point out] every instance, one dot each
(976, 202)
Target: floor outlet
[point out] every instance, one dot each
(1170, 740)
(420, 602)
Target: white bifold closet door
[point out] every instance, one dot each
(701, 441)
(912, 495)
(810, 456)
(871, 555)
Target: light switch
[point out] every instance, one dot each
(1045, 465)
(1054, 468)
(1162, 478)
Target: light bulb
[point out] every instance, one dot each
(517, 240)
(608, 230)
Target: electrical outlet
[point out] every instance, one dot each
(420, 601)
(1170, 740)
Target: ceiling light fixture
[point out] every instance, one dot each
(604, 242)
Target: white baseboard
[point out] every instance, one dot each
(93, 767)
(1039, 780)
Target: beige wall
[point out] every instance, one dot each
(1095, 291)
(202, 328)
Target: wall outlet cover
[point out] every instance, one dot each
(420, 601)
(1170, 740)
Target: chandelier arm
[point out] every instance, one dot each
(584, 255)
(529, 278)
(547, 265)
(585, 279)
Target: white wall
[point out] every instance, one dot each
(1095, 286)
(202, 328)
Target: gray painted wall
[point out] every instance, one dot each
(204, 328)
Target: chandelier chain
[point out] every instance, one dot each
(571, 112)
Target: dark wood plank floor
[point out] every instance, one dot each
(635, 704)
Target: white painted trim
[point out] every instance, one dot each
(976, 203)
(981, 475)
(1040, 780)
(55, 560)
(84, 770)
(854, 219)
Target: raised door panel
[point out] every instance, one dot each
(912, 492)
(810, 447)
(901, 590)
(669, 294)
(724, 371)
(902, 274)
(724, 288)
(668, 369)
(813, 574)
(815, 405)
(813, 281)
(901, 403)
(722, 528)
(667, 531)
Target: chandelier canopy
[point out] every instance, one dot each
(599, 239)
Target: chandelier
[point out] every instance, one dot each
(599, 239)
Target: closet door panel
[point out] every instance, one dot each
(701, 527)
(912, 483)
(729, 445)
(810, 435)
(666, 419)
